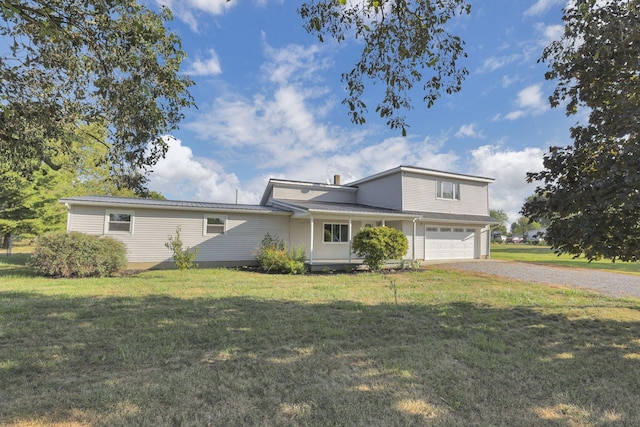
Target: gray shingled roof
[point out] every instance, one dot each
(310, 205)
(349, 208)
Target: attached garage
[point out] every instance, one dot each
(450, 243)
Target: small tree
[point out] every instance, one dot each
(181, 255)
(380, 244)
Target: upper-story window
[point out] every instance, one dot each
(448, 190)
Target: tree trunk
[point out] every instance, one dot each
(6, 240)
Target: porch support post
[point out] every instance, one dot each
(311, 241)
(350, 239)
(413, 246)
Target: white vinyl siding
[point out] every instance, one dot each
(316, 193)
(244, 232)
(384, 192)
(420, 194)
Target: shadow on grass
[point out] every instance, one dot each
(240, 361)
(15, 265)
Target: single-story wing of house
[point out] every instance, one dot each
(444, 216)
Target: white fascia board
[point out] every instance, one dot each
(427, 172)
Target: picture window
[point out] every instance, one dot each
(336, 233)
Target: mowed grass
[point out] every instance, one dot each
(541, 254)
(222, 347)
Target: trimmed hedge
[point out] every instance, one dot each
(78, 255)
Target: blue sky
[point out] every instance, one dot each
(269, 104)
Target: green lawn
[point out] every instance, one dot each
(544, 255)
(222, 347)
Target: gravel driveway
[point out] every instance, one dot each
(612, 284)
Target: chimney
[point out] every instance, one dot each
(336, 179)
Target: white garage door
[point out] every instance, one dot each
(450, 243)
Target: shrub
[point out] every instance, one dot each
(183, 257)
(379, 244)
(274, 256)
(78, 255)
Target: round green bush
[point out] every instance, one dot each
(78, 255)
(377, 245)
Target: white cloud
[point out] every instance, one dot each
(494, 63)
(293, 63)
(282, 124)
(541, 6)
(548, 33)
(530, 101)
(469, 131)
(182, 176)
(205, 67)
(509, 168)
(186, 10)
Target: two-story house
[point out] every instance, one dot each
(444, 216)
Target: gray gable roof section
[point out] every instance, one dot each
(309, 206)
(303, 208)
(132, 202)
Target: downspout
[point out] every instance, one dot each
(311, 241)
(68, 217)
(350, 240)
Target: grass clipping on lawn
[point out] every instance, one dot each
(222, 347)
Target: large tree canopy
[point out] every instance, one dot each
(71, 62)
(405, 43)
(590, 190)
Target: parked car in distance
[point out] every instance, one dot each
(499, 238)
(514, 239)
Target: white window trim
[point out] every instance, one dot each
(456, 190)
(224, 225)
(335, 243)
(113, 211)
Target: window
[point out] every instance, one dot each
(458, 230)
(448, 190)
(119, 222)
(471, 230)
(215, 224)
(431, 229)
(445, 230)
(338, 233)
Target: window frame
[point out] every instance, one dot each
(205, 225)
(334, 224)
(108, 221)
(455, 190)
